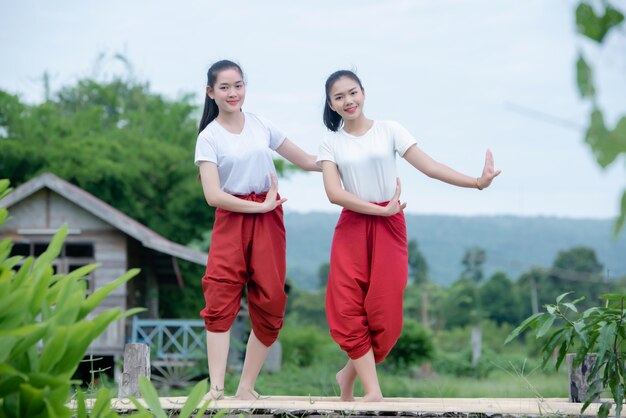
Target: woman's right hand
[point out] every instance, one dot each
(271, 202)
(394, 206)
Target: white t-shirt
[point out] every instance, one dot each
(244, 161)
(367, 163)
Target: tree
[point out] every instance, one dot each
(473, 262)
(594, 23)
(117, 140)
(459, 309)
(578, 270)
(504, 302)
(322, 274)
(418, 266)
(418, 270)
(528, 283)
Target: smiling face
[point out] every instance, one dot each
(228, 91)
(346, 97)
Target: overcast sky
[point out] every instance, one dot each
(461, 76)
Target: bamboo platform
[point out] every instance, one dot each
(303, 406)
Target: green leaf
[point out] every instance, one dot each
(579, 329)
(597, 136)
(31, 401)
(561, 355)
(20, 278)
(203, 408)
(545, 327)
(194, 399)
(54, 348)
(102, 405)
(561, 296)
(82, 334)
(596, 27)
(531, 320)
(605, 340)
(553, 341)
(570, 306)
(584, 79)
(4, 188)
(603, 411)
(10, 384)
(99, 295)
(81, 408)
(151, 397)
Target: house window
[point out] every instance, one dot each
(73, 256)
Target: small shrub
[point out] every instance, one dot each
(304, 345)
(414, 346)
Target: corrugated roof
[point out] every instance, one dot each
(105, 212)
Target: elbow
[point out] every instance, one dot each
(333, 198)
(311, 164)
(211, 200)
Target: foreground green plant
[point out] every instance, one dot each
(45, 333)
(599, 331)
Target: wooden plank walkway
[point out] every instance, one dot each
(297, 406)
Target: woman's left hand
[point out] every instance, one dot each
(489, 173)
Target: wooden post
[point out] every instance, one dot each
(579, 377)
(136, 363)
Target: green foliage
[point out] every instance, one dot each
(45, 331)
(414, 346)
(305, 346)
(322, 274)
(460, 307)
(503, 302)
(473, 263)
(418, 266)
(599, 330)
(117, 140)
(309, 308)
(44, 328)
(606, 143)
(154, 409)
(595, 26)
(188, 301)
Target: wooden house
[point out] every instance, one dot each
(98, 233)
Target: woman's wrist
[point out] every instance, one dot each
(479, 184)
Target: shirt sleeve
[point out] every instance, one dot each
(402, 139)
(325, 152)
(205, 149)
(277, 137)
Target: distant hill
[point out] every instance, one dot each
(513, 244)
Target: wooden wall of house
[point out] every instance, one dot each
(48, 210)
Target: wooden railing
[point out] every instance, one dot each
(170, 339)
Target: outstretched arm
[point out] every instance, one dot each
(297, 156)
(424, 163)
(218, 198)
(339, 196)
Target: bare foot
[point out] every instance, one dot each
(246, 394)
(372, 397)
(345, 385)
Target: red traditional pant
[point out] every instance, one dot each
(246, 249)
(368, 274)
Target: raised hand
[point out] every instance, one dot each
(394, 205)
(271, 202)
(489, 173)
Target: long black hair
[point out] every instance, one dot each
(210, 107)
(332, 120)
